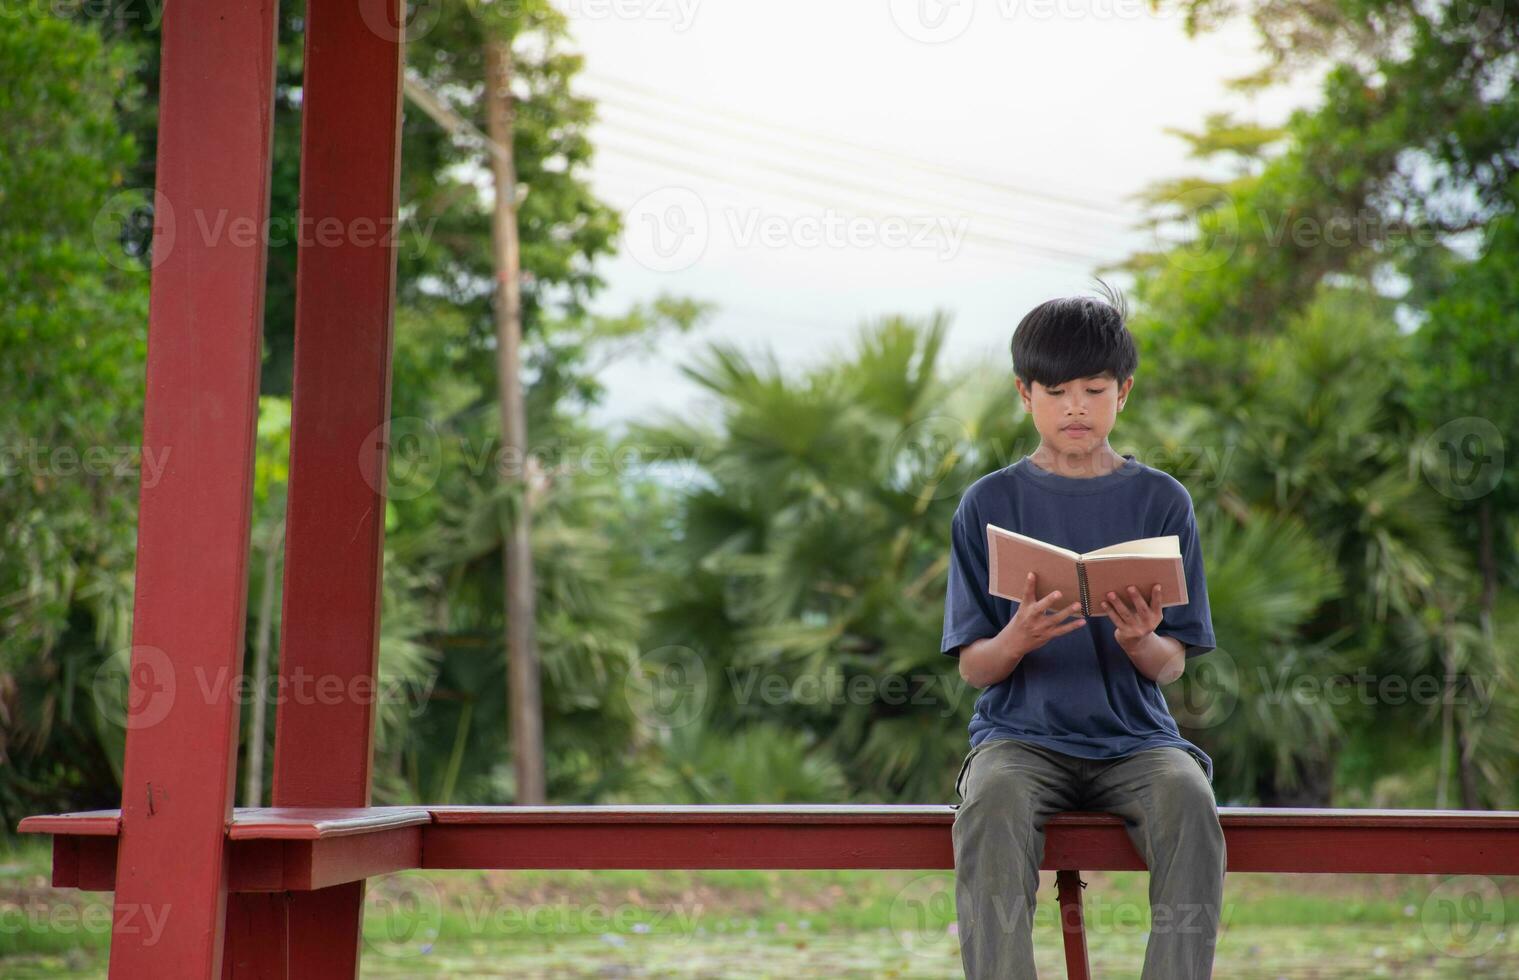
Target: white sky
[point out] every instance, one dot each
(983, 148)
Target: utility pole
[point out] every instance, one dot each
(524, 700)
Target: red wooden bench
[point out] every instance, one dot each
(280, 850)
(279, 892)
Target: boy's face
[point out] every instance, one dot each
(1075, 417)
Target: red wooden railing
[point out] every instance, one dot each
(282, 853)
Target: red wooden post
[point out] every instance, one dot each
(1068, 887)
(258, 946)
(216, 86)
(334, 543)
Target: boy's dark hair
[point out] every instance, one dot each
(1075, 337)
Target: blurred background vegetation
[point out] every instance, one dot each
(1337, 404)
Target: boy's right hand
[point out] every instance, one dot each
(1036, 623)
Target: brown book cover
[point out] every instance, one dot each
(1089, 577)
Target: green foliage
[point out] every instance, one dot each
(71, 358)
(1277, 300)
(808, 569)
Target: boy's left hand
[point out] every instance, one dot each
(1131, 624)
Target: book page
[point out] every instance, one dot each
(1032, 542)
(1166, 546)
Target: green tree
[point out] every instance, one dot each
(71, 357)
(1357, 214)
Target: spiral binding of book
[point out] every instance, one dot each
(1086, 598)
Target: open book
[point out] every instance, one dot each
(1089, 577)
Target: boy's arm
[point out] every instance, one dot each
(970, 612)
(1190, 625)
(1037, 621)
(1160, 658)
(988, 660)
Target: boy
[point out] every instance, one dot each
(1072, 716)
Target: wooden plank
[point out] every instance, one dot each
(325, 821)
(315, 848)
(216, 89)
(342, 860)
(685, 845)
(334, 540)
(88, 823)
(1072, 927)
(789, 814)
(1448, 842)
(341, 400)
(938, 813)
(301, 823)
(257, 943)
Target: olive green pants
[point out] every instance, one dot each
(1009, 788)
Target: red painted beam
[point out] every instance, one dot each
(216, 87)
(1068, 886)
(334, 539)
(257, 943)
(284, 823)
(258, 866)
(341, 399)
(1259, 839)
(80, 823)
(297, 849)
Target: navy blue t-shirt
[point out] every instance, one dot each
(1079, 693)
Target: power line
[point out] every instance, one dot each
(1040, 249)
(1102, 208)
(707, 126)
(444, 115)
(814, 178)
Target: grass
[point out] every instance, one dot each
(822, 923)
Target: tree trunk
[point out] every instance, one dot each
(253, 786)
(524, 701)
(1470, 796)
